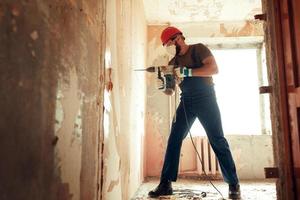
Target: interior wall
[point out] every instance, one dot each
(244, 149)
(125, 105)
(216, 29)
(159, 113)
(50, 62)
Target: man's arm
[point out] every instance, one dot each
(208, 69)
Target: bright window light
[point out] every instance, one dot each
(237, 89)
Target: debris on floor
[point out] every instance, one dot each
(185, 189)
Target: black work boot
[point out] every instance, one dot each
(164, 188)
(234, 192)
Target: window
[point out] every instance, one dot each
(243, 110)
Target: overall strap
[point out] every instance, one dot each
(195, 59)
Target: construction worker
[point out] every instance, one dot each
(198, 100)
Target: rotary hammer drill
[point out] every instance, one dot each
(168, 79)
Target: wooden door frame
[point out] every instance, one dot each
(277, 27)
(100, 144)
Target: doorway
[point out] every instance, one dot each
(242, 37)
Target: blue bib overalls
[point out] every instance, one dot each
(198, 99)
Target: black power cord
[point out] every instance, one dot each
(201, 161)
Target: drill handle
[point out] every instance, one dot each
(160, 78)
(159, 74)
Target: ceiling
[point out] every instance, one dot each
(182, 11)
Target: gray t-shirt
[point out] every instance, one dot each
(193, 59)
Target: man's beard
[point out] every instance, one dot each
(178, 48)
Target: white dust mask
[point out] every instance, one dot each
(171, 50)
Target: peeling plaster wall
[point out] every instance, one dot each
(159, 113)
(69, 133)
(221, 29)
(125, 106)
(183, 11)
(50, 62)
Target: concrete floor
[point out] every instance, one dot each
(191, 189)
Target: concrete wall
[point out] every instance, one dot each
(159, 112)
(125, 104)
(50, 62)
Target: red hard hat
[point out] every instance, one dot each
(168, 32)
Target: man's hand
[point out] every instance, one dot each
(182, 72)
